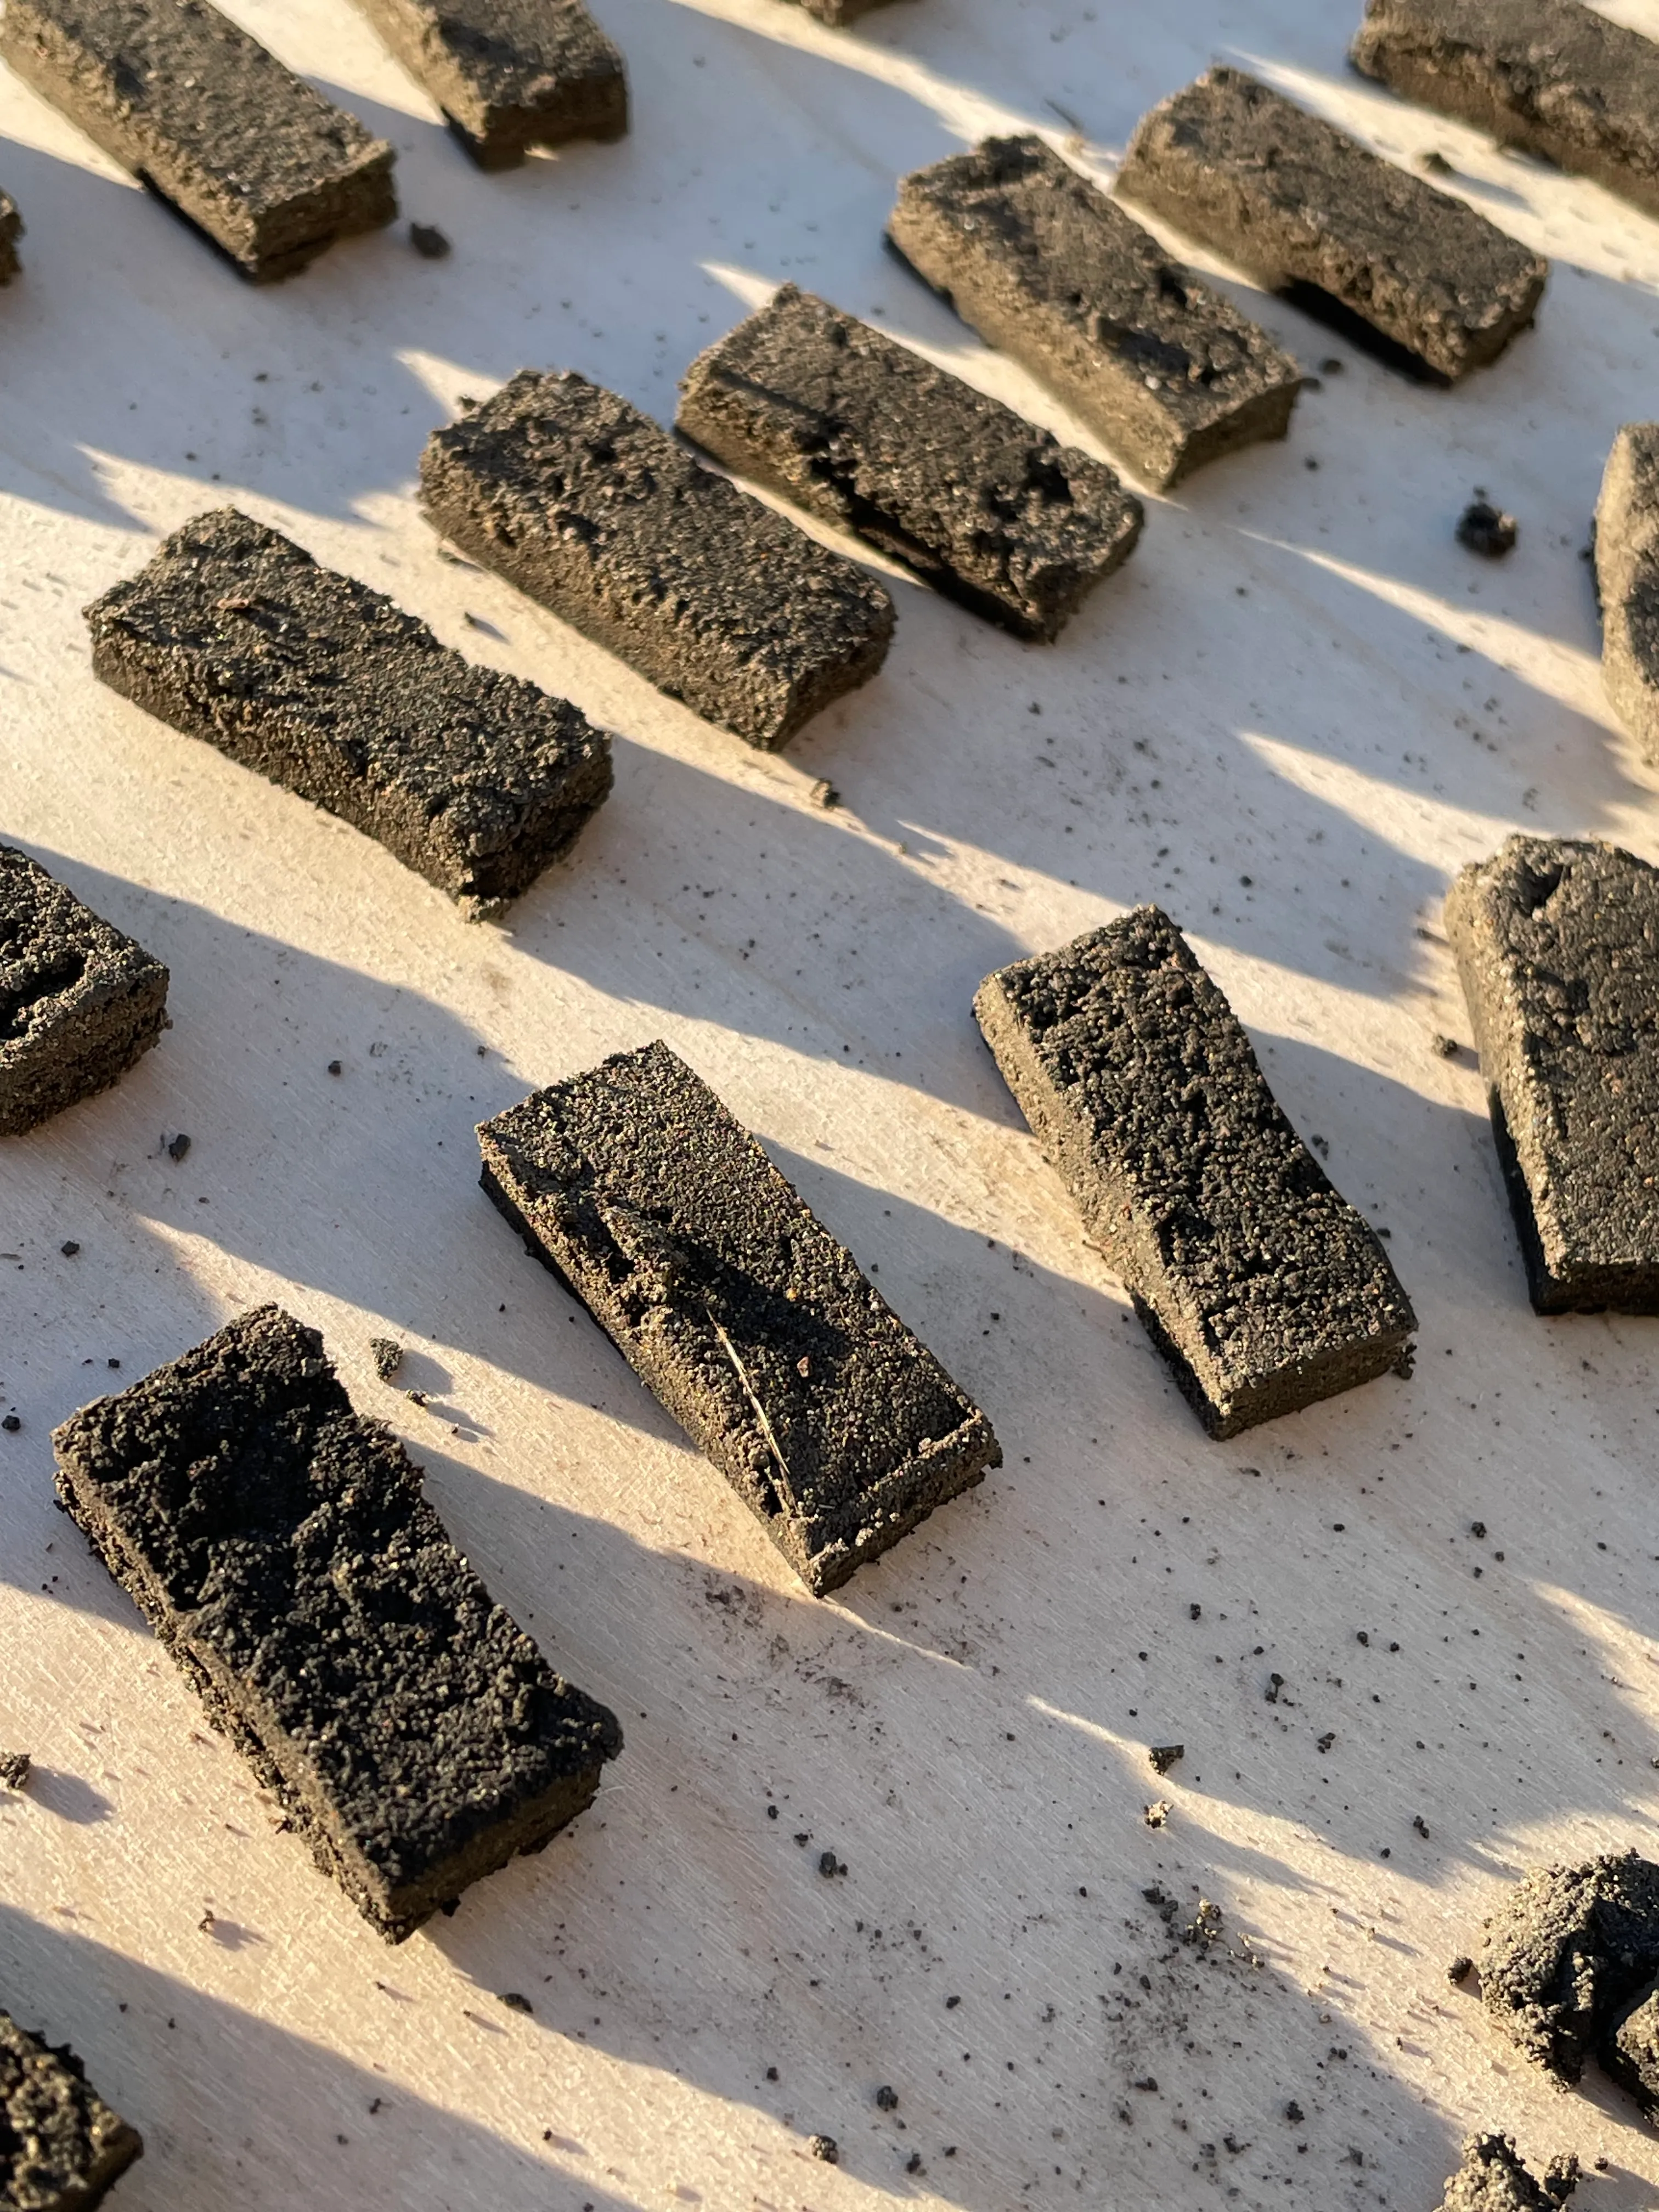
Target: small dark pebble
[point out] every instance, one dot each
(334, 1067)
(1436, 164)
(825, 793)
(950, 2004)
(1421, 1825)
(179, 1147)
(70, 1249)
(1477, 1528)
(1331, 366)
(15, 1768)
(416, 1397)
(1485, 529)
(827, 1865)
(1164, 1755)
(1447, 1048)
(826, 2148)
(887, 2099)
(112, 1363)
(1194, 1613)
(771, 2073)
(771, 1812)
(913, 2163)
(1149, 2084)
(515, 2003)
(11, 1425)
(1459, 1970)
(387, 1354)
(1294, 2113)
(429, 241)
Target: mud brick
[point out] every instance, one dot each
(1549, 75)
(736, 1306)
(1310, 213)
(61, 2147)
(205, 116)
(993, 512)
(1494, 2177)
(1627, 581)
(1260, 1285)
(1043, 264)
(233, 634)
(1565, 1953)
(509, 74)
(595, 512)
(1557, 942)
(79, 1002)
(282, 1549)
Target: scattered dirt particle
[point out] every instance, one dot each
(429, 241)
(1294, 2113)
(69, 1249)
(1157, 1814)
(887, 2099)
(1459, 1970)
(387, 1355)
(178, 1146)
(1164, 1755)
(1485, 529)
(14, 1769)
(826, 2148)
(515, 2003)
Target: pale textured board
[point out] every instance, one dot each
(1278, 690)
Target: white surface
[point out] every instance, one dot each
(1300, 680)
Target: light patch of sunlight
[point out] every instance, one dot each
(969, 114)
(1424, 829)
(1566, 673)
(742, 284)
(440, 378)
(1628, 1660)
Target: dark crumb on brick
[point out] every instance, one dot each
(387, 1355)
(14, 1770)
(771, 2073)
(515, 2003)
(826, 2148)
(1485, 529)
(335, 1068)
(1294, 2113)
(887, 2099)
(11, 1425)
(178, 1146)
(429, 241)
(1164, 1755)
(69, 1249)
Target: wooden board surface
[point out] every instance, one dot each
(1293, 716)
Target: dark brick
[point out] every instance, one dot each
(282, 1549)
(79, 1002)
(1042, 262)
(61, 2147)
(593, 510)
(1558, 946)
(233, 634)
(1566, 1952)
(509, 74)
(180, 94)
(1260, 1285)
(1310, 213)
(993, 512)
(738, 1307)
(1549, 75)
(1627, 581)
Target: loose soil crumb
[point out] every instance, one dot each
(826, 2148)
(1485, 529)
(1164, 1755)
(387, 1354)
(15, 1767)
(429, 241)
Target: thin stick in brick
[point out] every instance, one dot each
(282, 1548)
(859, 430)
(1042, 264)
(80, 1003)
(1309, 212)
(204, 115)
(509, 74)
(1260, 1285)
(1557, 942)
(1627, 581)
(735, 1305)
(1549, 76)
(599, 514)
(233, 634)
(61, 2146)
